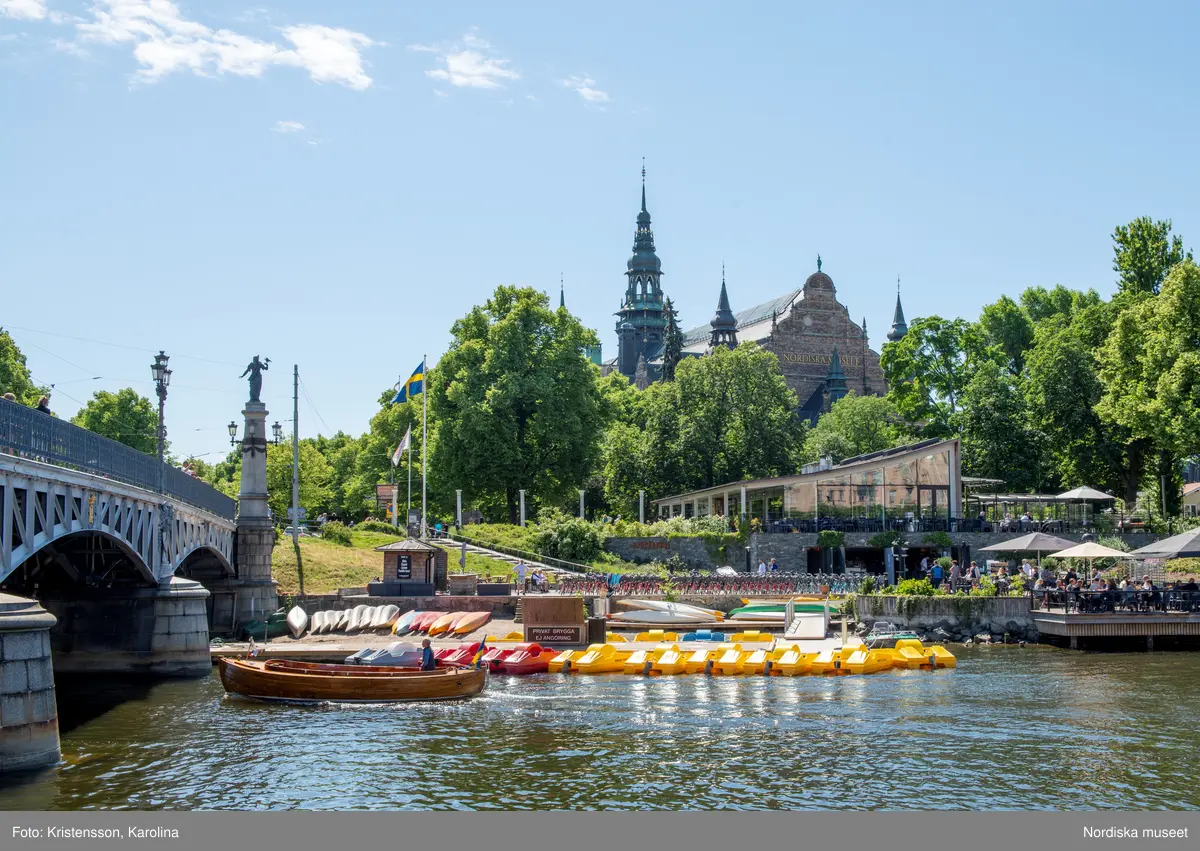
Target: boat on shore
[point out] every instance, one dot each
(285, 681)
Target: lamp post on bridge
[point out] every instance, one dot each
(162, 377)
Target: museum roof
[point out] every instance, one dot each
(759, 315)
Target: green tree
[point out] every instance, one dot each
(341, 452)
(1150, 368)
(514, 405)
(1145, 251)
(226, 475)
(1041, 304)
(373, 459)
(855, 425)
(315, 475)
(726, 417)
(123, 416)
(1062, 389)
(928, 369)
(672, 342)
(1006, 326)
(14, 374)
(998, 441)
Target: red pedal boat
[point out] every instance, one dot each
(527, 658)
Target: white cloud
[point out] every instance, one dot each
(288, 127)
(585, 86)
(469, 64)
(23, 10)
(164, 42)
(69, 47)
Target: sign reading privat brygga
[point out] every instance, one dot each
(553, 620)
(554, 634)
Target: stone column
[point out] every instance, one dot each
(179, 644)
(257, 596)
(28, 711)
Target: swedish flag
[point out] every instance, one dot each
(414, 385)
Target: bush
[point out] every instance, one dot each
(829, 539)
(337, 533)
(987, 588)
(867, 586)
(915, 588)
(938, 539)
(883, 540)
(568, 538)
(945, 563)
(1016, 587)
(376, 526)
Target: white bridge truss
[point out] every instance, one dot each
(43, 503)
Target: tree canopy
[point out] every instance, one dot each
(14, 374)
(514, 405)
(123, 416)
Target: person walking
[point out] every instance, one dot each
(955, 576)
(762, 567)
(935, 575)
(774, 566)
(520, 571)
(43, 404)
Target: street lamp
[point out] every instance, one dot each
(162, 377)
(277, 431)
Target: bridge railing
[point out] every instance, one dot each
(28, 433)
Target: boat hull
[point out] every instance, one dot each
(303, 682)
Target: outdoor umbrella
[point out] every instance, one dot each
(1184, 545)
(1085, 494)
(1035, 542)
(1090, 550)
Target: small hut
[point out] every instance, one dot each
(411, 568)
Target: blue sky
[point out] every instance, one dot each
(333, 184)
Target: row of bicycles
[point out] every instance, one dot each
(696, 583)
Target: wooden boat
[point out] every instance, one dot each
(309, 682)
(297, 621)
(470, 622)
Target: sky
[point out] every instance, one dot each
(331, 185)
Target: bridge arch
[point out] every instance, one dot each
(204, 563)
(91, 557)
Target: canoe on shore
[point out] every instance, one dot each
(308, 682)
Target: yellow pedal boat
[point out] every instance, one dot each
(673, 661)
(601, 659)
(730, 662)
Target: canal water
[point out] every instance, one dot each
(1010, 728)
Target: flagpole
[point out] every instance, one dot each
(424, 435)
(408, 510)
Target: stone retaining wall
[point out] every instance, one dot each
(960, 617)
(646, 550)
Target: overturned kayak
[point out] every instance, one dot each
(297, 621)
(307, 682)
(654, 616)
(664, 606)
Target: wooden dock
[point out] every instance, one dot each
(1147, 625)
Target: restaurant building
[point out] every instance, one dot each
(907, 487)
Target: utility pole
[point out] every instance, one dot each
(296, 456)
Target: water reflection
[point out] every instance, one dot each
(1010, 728)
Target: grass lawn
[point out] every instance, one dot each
(328, 566)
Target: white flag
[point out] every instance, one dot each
(402, 447)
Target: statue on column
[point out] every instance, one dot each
(255, 371)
